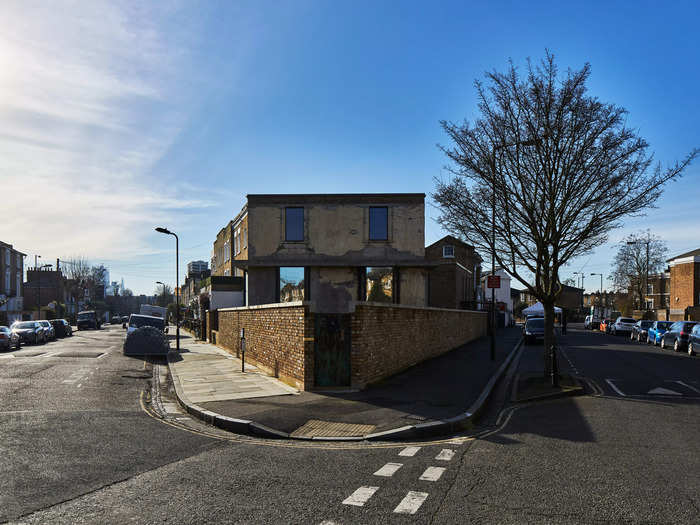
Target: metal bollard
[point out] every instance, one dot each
(554, 367)
(242, 349)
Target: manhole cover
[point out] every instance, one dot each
(317, 428)
(78, 354)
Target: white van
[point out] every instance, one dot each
(138, 320)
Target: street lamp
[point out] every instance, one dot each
(493, 233)
(600, 298)
(177, 282)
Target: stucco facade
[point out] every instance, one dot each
(333, 244)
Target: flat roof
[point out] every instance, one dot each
(336, 198)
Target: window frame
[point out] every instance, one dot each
(448, 256)
(369, 224)
(287, 223)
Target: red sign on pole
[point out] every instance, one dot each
(493, 281)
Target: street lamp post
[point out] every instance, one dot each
(177, 282)
(600, 298)
(163, 285)
(497, 147)
(38, 289)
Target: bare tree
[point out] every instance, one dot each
(639, 254)
(164, 295)
(544, 174)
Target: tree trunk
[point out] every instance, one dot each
(548, 335)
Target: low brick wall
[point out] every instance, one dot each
(275, 339)
(389, 339)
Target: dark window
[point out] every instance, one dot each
(379, 223)
(291, 284)
(294, 224)
(448, 251)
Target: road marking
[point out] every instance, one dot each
(388, 470)
(620, 392)
(688, 386)
(411, 503)
(664, 392)
(360, 496)
(328, 522)
(409, 451)
(432, 474)
(79, 385)
(11, 356)
(445, 455)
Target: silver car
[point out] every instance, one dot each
(48, 330)
(623, 325)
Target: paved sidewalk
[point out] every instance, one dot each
(207, 373)
(432, 391)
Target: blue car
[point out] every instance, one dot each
(656, 332)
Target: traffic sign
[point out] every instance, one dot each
(493, 281)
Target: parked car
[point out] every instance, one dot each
(656, 330)
(639, 330)
(533, 330)
(61, 327)
(115, 320)
(605, 325)
(591, 322)
(9, 338)
(622, 325)
(138, 320)
(50, 332)
(677, 336)
(88, 320)
(30, 332)
(694, 340)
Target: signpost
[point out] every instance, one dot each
(493, 281)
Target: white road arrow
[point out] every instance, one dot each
(664, 392)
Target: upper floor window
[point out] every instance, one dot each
(378, 223)
(245, 238)
(19, 283)
(448, 251)
(7, 256)
(294, 224)
(8, 286)
(237, 242)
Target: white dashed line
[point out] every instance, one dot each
(328, 522)
(360, 496)
(411, 503)
(445, 455)
(409, 451)
(688, 386)
(79, 385)
(432, 474)
(620, 392)
(388, 470)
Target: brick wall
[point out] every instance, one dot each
(388, 339)
(685, 285)
(275, 339)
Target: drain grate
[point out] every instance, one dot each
(79, 354)
(317, 428)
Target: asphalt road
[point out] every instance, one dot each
(79, 447)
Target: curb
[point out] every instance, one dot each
(457, 423)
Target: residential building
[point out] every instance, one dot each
(453, 281)
(684, 271)
(503, 298)
(197, 267)
(11, 287)
(333, 289)
(331, 250)
(45, 288)
(231, 245)
(658, 294)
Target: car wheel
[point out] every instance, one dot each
(691, 351)
(676, 348)
(663, 343)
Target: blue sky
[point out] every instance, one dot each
(121, 116)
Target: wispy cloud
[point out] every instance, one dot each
(89, 102)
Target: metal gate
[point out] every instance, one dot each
(332, 344)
